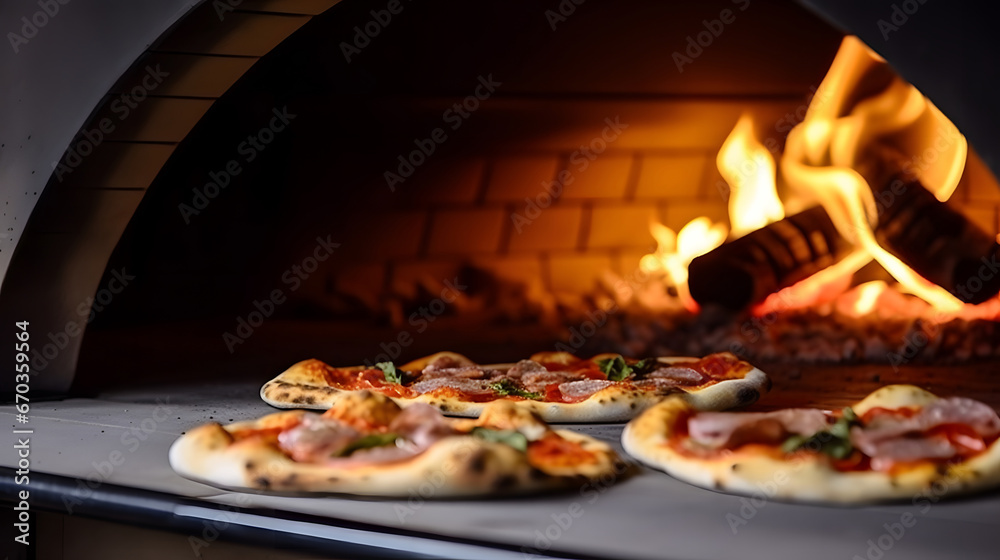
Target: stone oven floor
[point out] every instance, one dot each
(648, 515)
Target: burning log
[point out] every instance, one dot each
(764, 261)
(936, 241)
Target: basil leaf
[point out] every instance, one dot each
(835, 441)
(367, 442)
(646, 365)
(615, 368)
(793, 443)
(507, 387)
(513, 438)
(392, 375)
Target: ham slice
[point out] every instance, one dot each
(316, 438)
(731, 429)
(890, 439)
(422, 425)
(953, 410)
(525, 366)
(679, 375)
(471, 386)
(537, 382)
(319, 440)
(466, 372)
(583, 388)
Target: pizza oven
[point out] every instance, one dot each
(212, 191)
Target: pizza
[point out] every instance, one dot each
(368, 445)
(559, 386)
(900, 442)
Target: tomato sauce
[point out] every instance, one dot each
(556, 451)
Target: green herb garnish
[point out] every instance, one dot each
(835, 441)
(507, 387)
(513, 438)
(615, 368)
(367, 442)
(392, 375)
(646, 365)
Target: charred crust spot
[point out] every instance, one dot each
(282, 384)
(735, 467)
(601, 401)
(537, 474)
(250, 465)
(290, 479)
(942, 469)
(443, 407)
(309, 399)
(262, 482)
(477, 463)
(333, 479)
(893, 482)
(282, 396)
(612, 399)
(632, 406)
(298, 399)
(716, 484)
(505, 481)
(747, 395)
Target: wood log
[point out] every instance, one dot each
(936, 241)
(746, 270)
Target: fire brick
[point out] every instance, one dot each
(604, 177)
(577, 273)
(462, 231)
(553, 228)
(671, 176)
(518, 177)
(622, 226)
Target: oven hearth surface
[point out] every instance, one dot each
(648, 515)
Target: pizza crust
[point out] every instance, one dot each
(303, 386)
(807, 477)
(456, 466)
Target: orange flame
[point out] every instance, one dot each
(675, 251)
(842, 134)
(749, 169)
(862, 117)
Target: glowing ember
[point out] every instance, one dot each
(749, 169)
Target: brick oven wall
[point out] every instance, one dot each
(473, 208)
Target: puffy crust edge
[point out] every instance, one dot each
(298, 388)
(807, 477)
(455, 467)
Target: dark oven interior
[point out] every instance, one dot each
(361, 201)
